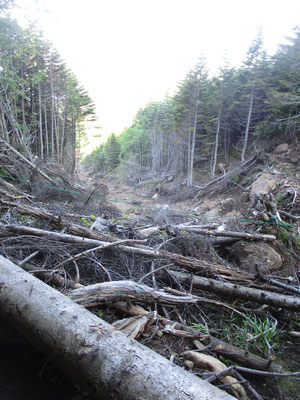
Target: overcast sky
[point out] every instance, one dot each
(127, 53)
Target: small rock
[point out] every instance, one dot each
(281, 148)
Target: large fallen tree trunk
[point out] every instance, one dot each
(240, 292)
(105, 361)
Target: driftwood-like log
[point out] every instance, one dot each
(241, 292)
(144, 251)
(110, 292)
(89, 350)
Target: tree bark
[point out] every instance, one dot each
(241, 292)
(90, 351)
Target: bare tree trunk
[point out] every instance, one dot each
(41, 124)
(193, 141)
(215, 156)
(248, 124)
(46, 130)
(90, 351)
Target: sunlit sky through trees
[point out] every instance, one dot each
(127, 53)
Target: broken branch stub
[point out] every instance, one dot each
(90, 351)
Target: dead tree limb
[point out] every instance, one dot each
(241, 292)
(109, 292)
(238, 235)
(241, 356)
(89, 350)
(26, 161)
(58, 221)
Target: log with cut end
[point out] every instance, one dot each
(90, 351)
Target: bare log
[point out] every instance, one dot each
(241, 356)
(241, 292)
(89, 350)
(109, 292)
(238, 235)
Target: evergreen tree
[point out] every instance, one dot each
(112, 152)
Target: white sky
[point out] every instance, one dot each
(129, 52)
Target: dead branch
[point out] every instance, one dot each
(217, 346)
(51, 276)
(290, 216)
(12, 189)
(187, 262)
(227, 178)
(241, 356)
(26, 161)
(266, 373)
(239, 235)
(58, 221)
(108, 292)
(99, 248)
(241, 292)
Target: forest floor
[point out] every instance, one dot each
(130, 208)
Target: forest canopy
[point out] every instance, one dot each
(207, 117)
(42, 104)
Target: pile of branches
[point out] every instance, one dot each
(164, 275)
(145, 273)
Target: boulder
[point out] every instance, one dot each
(250, 256)
(264, 184)
(281, 148)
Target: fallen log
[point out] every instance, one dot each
(144, 251)
(89, 350)
(58, 221)
(110, 292)
(237, 235)
(238, 355)
(120, 291)
(241, 292)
